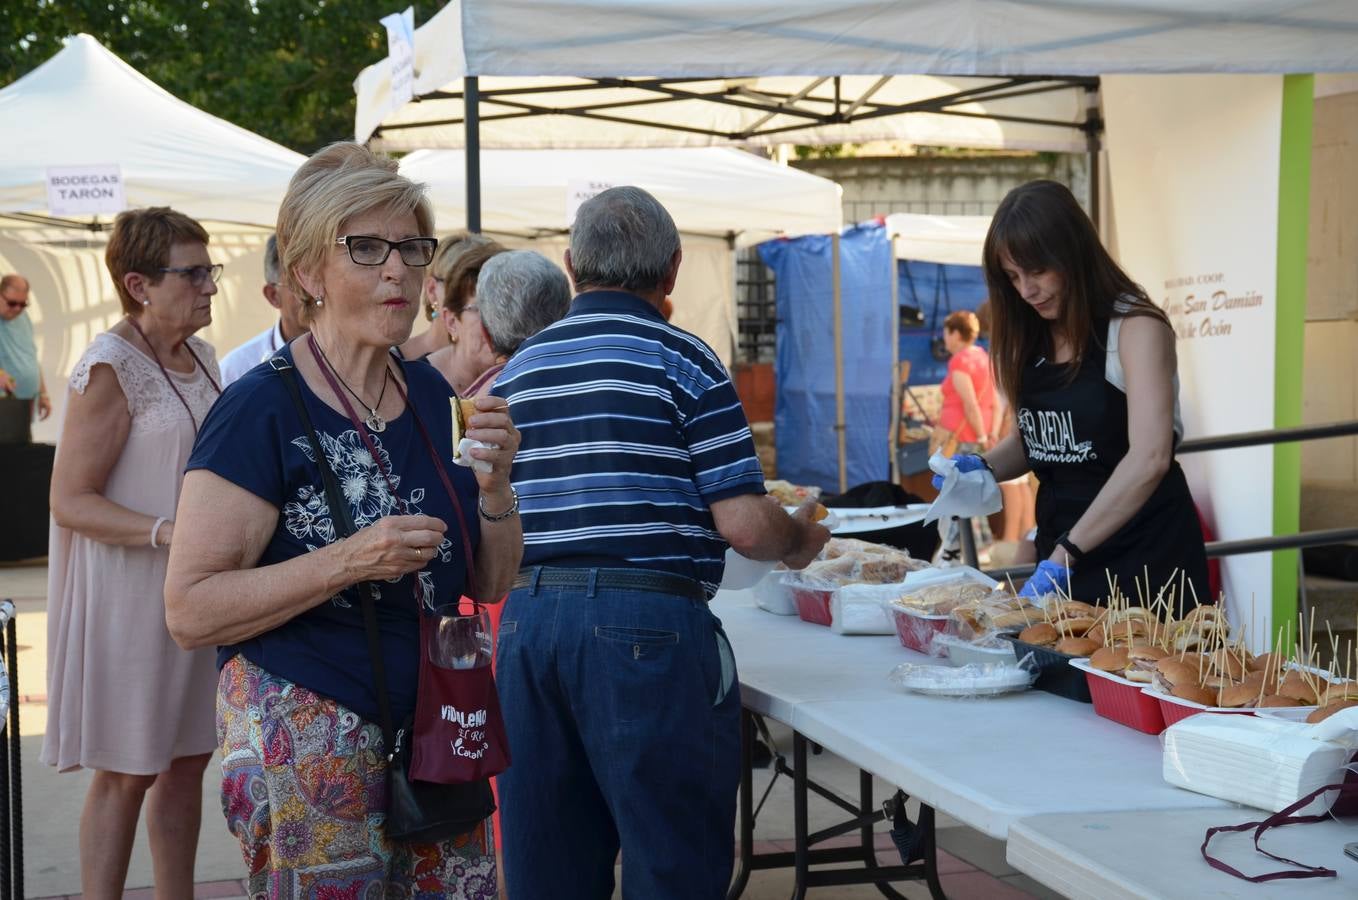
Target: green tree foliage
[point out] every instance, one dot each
(281, 68)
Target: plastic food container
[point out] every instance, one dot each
(1055, 674)
(813, 604)
(1121, 699)
(962, 652)
(1176, 709)
(917, 630)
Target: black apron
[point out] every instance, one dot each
(1074, 435)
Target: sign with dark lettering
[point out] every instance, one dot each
(85, 190)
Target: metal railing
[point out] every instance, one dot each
(1300, 540)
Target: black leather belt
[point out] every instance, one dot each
(616, 579)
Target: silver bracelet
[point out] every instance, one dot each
(154, 529)
(498, 517)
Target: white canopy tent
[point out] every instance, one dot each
(951, 240)
(86, 107)
(713, 191)
(720, 198)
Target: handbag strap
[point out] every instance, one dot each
(344, 527)
(1283, 817)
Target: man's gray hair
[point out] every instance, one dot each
(519, 293)
(271, 265)
(622, 238)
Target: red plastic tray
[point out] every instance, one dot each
(1122, 700)
(916, 632)
(812, 605)
(1176, 710)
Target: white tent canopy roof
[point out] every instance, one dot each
(762, 110)
(86, 107)
(713, 191)
(931, 48)
(952, 240)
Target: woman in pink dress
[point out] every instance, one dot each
(123, 698)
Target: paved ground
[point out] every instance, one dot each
(973, 865)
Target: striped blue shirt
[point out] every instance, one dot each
(630, 429)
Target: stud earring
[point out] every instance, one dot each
(145, 302)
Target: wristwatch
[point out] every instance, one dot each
(1073, 553)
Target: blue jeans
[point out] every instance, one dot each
(623, 715)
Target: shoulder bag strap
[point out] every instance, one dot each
(344, 527)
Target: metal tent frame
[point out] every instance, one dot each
(804, 107)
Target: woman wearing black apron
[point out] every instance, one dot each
(1091, 362)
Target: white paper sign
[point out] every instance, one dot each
(401, 53)
(85, 190)
(1198, 227)
(577, 192)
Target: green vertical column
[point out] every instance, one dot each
(1294, 195)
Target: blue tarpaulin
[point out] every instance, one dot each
(935, 290)
(804, 410)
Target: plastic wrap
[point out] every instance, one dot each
(921, 607)
(845, 561)
(789, 494)
(960, 651)
(963, 681)
(1264, 762)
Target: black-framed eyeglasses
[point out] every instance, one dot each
(197, 275)
(366, 250)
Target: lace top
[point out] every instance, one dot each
(150, 399)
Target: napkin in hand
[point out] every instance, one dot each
(463, 458)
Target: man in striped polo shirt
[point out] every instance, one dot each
(635, 472)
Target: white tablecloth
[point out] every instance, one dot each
(986, 763)
(1125, 855)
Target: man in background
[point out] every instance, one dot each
(21, 380)
(267, 342)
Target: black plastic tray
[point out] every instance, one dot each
(1055, 673)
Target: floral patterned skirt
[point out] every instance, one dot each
(304, 790)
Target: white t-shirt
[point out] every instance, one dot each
(251, 353)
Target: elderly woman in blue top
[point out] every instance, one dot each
(636, 471)
(257, 568)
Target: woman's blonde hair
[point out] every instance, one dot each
(337, 183)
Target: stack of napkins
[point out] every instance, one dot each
(1259, 761)
(857, 609)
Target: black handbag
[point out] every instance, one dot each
(16, 420)
(418, 812)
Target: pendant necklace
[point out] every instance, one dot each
(375, 423)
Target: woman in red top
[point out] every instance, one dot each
(968, 391)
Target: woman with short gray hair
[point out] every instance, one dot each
(520, 293)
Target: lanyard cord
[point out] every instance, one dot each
(170, 381)
(331, 379)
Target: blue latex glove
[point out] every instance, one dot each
(1049, 578)
(966, 462)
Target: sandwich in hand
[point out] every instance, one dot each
(463, 410)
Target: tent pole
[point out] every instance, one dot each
(893, 439)
(839, 364)
(471, 101)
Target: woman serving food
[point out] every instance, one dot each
(1090, 360)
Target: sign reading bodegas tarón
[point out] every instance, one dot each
(85, 190)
